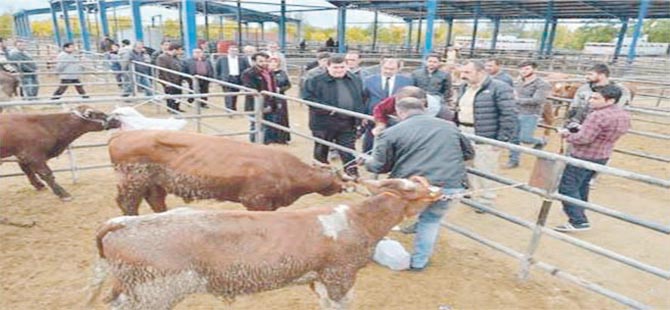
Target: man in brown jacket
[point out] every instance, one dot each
(171, 81)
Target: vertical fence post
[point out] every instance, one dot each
(197, 101)
(258, 118)
(131, 78)
(535, 239)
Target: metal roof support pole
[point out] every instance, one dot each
(26, 21)
(341, 28)
(418, 35)
(282, 26)
(299, 36)
(66, 19)
(496, 29)
(54, 22)
(247, 37)
(450, 23)
(220, 27)
(619, 40)
(137, 20)
(478, 9)
(17, 26)
(189, 29)
(552, 36)
(545, 32)
(408, 38)
(431, 8)
(83, 27)
(642, 12)
(206, 12)
(180, 9)
(374, 31)
(262, 24)
(239, 23)
(102, 14)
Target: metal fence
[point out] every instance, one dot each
(527, 259)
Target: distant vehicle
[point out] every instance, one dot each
(503, 43)
(643, 47)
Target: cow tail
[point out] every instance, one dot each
(100, 273)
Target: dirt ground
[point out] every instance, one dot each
(48, 266)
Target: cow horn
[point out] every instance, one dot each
(345, 176)
(317, 163)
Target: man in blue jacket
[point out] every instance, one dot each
(379, 87)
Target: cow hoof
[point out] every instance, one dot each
(66, 198)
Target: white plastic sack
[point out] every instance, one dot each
(392, 254)
(133, 120)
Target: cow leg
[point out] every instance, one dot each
(155, 196)
(45, 173)
(335, 289)
(128, 200)
(31, 176)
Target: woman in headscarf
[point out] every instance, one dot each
(280, 115)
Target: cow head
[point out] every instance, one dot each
(99, 118)
(415, 190)
(341, 182)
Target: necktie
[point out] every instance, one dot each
(387, 91)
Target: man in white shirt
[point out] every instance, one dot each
(229, 69)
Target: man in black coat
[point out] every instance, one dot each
(229, 69)
(199, 65)
(339, 88)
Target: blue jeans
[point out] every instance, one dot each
(525, 131)
(575, 183)
(29, 85)
(142, 80)
(428, 228)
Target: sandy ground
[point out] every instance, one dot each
(48, 266)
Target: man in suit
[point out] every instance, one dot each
(229, 69)
(379, 87)
(199, 65)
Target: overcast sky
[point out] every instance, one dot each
(319, 18)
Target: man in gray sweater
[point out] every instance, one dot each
(28, 69)
(69, 69)
(531, 94)
(423, 145)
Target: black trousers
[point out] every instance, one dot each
(170, 90)
(231, 101)
(346, 138)
(203, 88)
(65, 83)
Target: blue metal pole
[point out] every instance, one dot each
(642, 12)
(341, 29)
(104, 24)
(54, 22)
(496, 29)
(619, 41)
(29, 31)
(450, 23)
(552, 36)
(17, 25)
(545, 32)
(83, 29)
(431, 8)
(66, 19)
(408, 39)
(418, 35)
(474, 29)
(374, 31)
(190, 31)
(239, 22)
(137, 19)
(282, 26)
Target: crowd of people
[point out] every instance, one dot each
(418, 119)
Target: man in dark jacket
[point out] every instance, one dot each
(432, 80)
(260, 78)
(170, 80)
(229, 68)
(422, 145)
(199, 65)
(341, 89)
(487, 107)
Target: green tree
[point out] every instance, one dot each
(658, 30)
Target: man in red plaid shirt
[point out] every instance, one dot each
(592, 141)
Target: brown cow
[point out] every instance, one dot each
(8, 86)
(152, 164)
(158, 260)
(36, 138)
